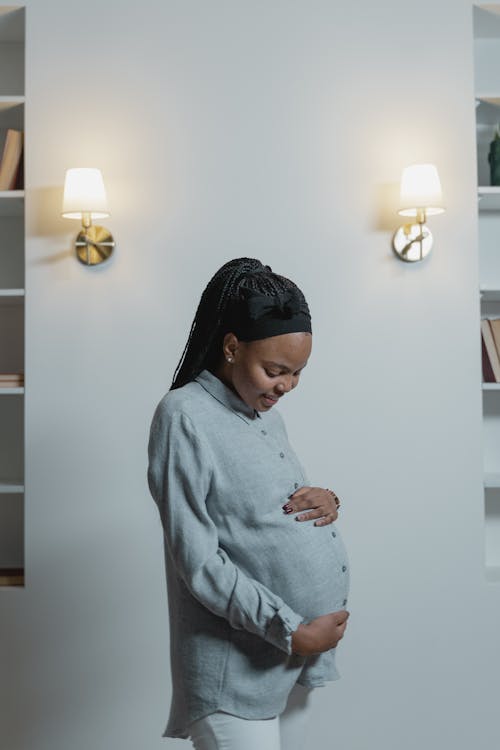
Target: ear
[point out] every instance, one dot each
(230, 345)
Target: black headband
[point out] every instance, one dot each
(258, 316)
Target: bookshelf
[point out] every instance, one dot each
(12, 306)
(486, 24)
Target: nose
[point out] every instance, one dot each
(285, 385)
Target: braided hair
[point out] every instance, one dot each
(212, 321)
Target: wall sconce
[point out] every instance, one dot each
(85, 199)
(420, 197)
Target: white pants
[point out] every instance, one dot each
(223, 731)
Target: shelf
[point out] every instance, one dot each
(12, 50)
(11, 194)
(11, 487)
(11, 576)
(6, 194)
(493, 99)
(11, 202)
(489, 295)
(9, 102)
(486, 21)
(11, 296)
(492, 480)
(489, 197)
(12, 312)
(11, 24)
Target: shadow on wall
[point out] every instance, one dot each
(386, 218)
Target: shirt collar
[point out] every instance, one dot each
(226, 395)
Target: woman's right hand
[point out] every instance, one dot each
(321, 634)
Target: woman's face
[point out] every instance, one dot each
(263, 371)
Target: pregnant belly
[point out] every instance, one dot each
(306, 565)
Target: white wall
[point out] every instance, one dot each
(275, 129)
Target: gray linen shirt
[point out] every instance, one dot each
(241, 573)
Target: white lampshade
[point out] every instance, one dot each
(420, 188)
(84, 192)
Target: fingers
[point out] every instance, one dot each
(314, 511)
(328, 519)
(342, 626)
(313, 500)
(342, 616)
(318, 513)
(299, 492)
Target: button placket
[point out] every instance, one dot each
(270, 438)
(282, 454)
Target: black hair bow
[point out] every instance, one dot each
(282, 305)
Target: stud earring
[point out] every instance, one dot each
(229, 359)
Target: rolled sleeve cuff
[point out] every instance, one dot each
(283, 624)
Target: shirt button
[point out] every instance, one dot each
(282, 454)
(264, 432)
(344, 568)
(333, 533)
(295, 484)
(344, 602)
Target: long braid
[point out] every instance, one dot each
(204, 345)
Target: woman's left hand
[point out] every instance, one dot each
(323, 502)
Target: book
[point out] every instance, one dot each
(11, 379)
(491, 351)
(11, 576)
(495, 332)
(19, 179)
(11, 159)
(488, 374)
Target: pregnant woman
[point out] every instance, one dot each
(256, 593)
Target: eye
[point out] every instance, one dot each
(272, 374)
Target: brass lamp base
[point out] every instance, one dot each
(412, 242)
(94, 245)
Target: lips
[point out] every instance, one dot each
(271, 398)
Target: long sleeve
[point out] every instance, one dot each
(179, 476)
